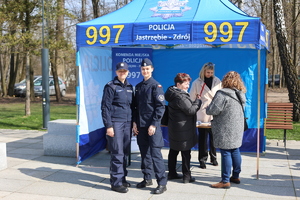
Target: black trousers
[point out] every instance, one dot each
(119, 147)
(186, 162)
(203, 147)
(152, 159)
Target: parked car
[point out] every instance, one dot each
(276, 79)
(20, 88)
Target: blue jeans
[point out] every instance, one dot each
(231, 158)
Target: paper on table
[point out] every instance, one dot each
(199, 123)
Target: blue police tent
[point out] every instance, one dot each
(179, 36)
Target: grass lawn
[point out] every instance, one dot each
(13, 115)
(290, 134)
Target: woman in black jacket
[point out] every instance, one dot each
(181, 126)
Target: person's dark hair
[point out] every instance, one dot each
(181, 77)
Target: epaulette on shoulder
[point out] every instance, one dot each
(112, 85)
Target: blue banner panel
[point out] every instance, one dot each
(264, 36)
(169, 62)
(95, 144)
(133, 57)
(104, 34)
(162, 33)
(226, 32)
(94, 72)
(249, 143)
(173, 22)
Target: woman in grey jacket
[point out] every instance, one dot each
(228, 126)
(181, 126)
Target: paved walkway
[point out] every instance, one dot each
(31, 175)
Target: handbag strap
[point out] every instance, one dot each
(240, 100)
(202, 88)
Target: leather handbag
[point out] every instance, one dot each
(245, 119)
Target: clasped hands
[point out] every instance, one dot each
(151, 130)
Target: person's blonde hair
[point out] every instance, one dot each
(233, 80)
(206, 66)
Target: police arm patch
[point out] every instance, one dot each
(161, 97)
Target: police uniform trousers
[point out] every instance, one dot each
(150, 149)
(186, 163)
(203, 147)
(119, 147)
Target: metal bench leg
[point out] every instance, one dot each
(284, 137)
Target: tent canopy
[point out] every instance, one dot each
(173, 22)
(179, 35)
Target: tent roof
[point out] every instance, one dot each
(173, 22)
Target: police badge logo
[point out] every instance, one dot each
(161, 97)
(170, 8)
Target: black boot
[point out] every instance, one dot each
(202, 165)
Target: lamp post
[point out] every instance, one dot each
(45, 78)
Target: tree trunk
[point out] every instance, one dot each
(59, 39)
(12, 74)
(289, 68)
(241, 4)
(27, 102)
(295, 11)
(274, 50)
(4, 70)
(83, 10)
(96, 8)
(3, 85)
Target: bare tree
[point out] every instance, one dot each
(294, 23)
(83, 11)
(96, 8)
(239, 3)
(27, 102)
(57, 52)
(289, 68)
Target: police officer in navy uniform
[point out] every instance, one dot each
(117, 115)
(150, 107)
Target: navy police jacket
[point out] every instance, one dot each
(116, 102)
(150, 103)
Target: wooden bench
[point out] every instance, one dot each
(280, 116)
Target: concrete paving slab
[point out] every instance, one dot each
(56, 160)
(54, 189)
(16, 144)
(31, 175)
(25, 157)
(26, 174)
(4, 194)
(239, 197)
(266, 191)
(75, 178)
(24, 150)
(13, 185)
(23, 196)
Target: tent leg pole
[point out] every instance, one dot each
(258, 114)
(77, 115)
